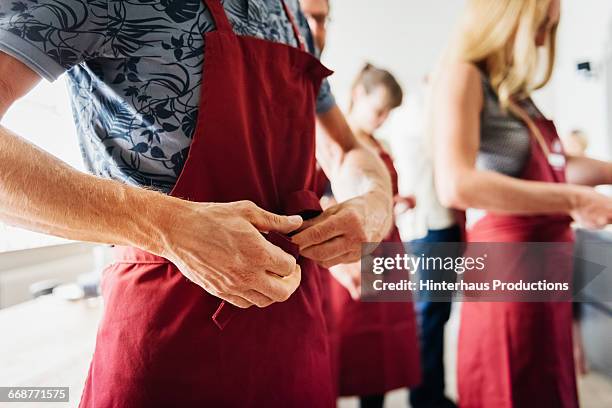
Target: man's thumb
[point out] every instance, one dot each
(266, 221)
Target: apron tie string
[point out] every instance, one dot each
(304, 203)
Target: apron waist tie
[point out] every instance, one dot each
(304, 203)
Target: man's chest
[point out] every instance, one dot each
(146, 85)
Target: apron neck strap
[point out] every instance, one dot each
(219, 16)
(296, 30)
(222, 23)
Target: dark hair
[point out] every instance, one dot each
(372, 77)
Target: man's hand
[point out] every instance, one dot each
(361, 184)
(337, 235)
(591, 209)
(220, 247)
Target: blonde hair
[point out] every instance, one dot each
(499, 37)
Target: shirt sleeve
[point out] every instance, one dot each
(52, 36)
(325, 99)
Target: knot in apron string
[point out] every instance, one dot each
(304, 203)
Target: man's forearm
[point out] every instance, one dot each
(41, 193)
(353, 169)
(362, 174)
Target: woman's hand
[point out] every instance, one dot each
(220, 247)
(591, 209)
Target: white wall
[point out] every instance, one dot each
(404, 36)
(585, 34)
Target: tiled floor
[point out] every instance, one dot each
(595, 390)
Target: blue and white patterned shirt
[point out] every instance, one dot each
(134, 69)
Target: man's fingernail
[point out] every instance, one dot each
(295, 219)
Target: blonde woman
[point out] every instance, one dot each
(497, 154)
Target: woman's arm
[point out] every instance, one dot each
(457, 103)
(588, 172)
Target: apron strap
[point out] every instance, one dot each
(304, 202)
(219, 16)
(296, 30)
(223, 25)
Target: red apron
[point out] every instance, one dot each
(375, 344)
(164, 341)
(520, 354)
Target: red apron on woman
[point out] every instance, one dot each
(375, 344)
(164, 341)
(519, 355)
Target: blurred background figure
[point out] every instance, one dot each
(375, 345)
(498, 157)
(427, 224)
(575, 143)
(376, 342)
(317, 14)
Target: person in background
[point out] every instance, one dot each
(575, 143)
(317, 14)
(375, 342)
(428, 224)
(499, 158)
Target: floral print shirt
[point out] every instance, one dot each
(134, 69)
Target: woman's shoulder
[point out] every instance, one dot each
(462, 71)
(460, 82)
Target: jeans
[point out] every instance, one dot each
(432, 317)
